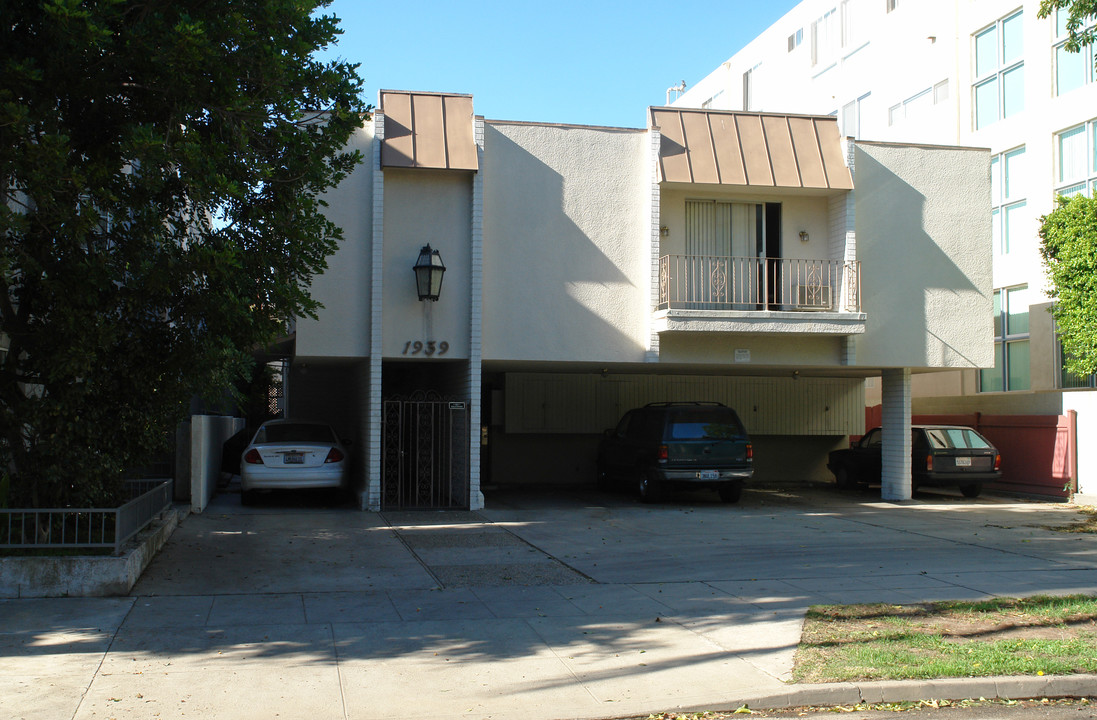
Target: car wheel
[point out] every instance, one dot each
(647, 486)
(842, 480)
(971, 490)
(731, 492)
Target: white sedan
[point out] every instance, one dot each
(292, 455)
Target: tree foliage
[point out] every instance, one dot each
(163, 165)
(1069, 249)
(1078, 13)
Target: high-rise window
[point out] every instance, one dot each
(1072, 70)
(1076, 160)
(795, 39)
(851, 116)
(918, 105)
(1009, 209)
(825, 38)
(999, 71)
(1011, 337)
(851, 25)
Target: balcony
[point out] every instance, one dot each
(760, 295)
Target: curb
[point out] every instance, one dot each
(1003, 687)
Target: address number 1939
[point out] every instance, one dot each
(428, 348)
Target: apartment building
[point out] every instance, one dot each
(709, 255)
(979, 73)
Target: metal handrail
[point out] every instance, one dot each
(747, 283)
(26, 528)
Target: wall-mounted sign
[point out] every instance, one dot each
(428, 348)
(742, 355)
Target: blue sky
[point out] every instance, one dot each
(591, 63)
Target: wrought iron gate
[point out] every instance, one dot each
(425, 459)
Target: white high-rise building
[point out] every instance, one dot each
(983, 73)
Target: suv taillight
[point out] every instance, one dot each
(750, 451)
(929, 463)
(661, 454)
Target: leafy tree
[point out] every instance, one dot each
(1078, 35)
(1069, 232)
(163, 163)
(1069, 249)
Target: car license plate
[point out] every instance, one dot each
(293, 459)
(963, 462)
(708, 475)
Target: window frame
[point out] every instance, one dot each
(1086, 182)
(1058, 42)
(1004, 338)
(937, 94)
(1002, 201)
(1001, 72)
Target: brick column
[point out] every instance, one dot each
(655, 201)
(371, 498)
(476, 496)
(895, 472)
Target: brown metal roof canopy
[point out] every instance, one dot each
(428, 130)
(750, 149)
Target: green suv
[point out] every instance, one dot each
(683, 444)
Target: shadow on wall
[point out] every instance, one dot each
(551, 291)
(913, 292)
(332, 392)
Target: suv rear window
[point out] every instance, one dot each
(705, 426)
(955, 438)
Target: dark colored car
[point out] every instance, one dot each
(940, 455)
(683, 444)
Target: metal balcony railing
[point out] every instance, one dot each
(699, 282)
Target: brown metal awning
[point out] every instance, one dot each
(428, 130)
(750, 149)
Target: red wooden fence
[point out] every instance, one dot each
(1038, 451)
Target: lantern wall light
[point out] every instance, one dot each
(429, 270)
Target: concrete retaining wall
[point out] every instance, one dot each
(85, 575)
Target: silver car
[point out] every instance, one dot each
(292, 455)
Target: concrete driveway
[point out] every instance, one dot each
(548, 604)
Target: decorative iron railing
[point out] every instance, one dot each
(86, 527)
(743, 283)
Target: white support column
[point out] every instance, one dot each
(371, 498)
(655, 200)
(895, 471)
(476, 496)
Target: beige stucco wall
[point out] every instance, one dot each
(566, 243)
(342, 327)
(924, 242)
(421, 207)
(795, 352)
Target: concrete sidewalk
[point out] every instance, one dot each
(544, 606)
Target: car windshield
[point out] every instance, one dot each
(955, 438)
(295, 432)
(702, 428)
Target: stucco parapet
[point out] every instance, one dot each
(759, 322)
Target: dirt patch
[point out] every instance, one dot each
(956, 625)
(1086, 524)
